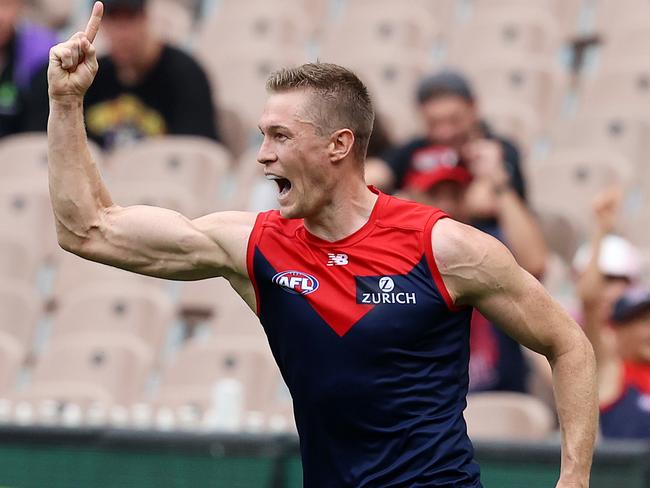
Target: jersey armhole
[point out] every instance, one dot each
(251, 246)
(433, 267)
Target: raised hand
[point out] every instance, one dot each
(73, 63)
(606, 206)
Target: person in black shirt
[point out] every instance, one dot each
(144, 87)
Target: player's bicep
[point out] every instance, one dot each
(480, 272)
(160, 242)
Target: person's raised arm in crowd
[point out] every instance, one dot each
(494, 193)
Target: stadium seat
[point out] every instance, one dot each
(194, 163)
(12, 355)
(624, 86)
(614, 17)
(392, 86)
(157, 193)
(568, 181)
(19, 258)
(620, 132)
(172, 21)
(19, 311)
(216, 299)
(253, 192)
(254, 23)
(381, 30)
(74, 274)
(507, 416)
(24, 157)
(191, 378)
(514, 31)
(26, 212)
(528, 80)
(114, 363)
(56, 14)
(513, 119)
(232, 130)
(239, 82)
(142, 312)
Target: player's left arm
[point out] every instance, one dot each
(479, 271)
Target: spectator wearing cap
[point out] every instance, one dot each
(617, 326)
(24, 49)
(144, 87)
(495, 200)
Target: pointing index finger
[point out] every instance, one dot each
(95, 19)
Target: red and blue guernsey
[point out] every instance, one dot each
(371, 347)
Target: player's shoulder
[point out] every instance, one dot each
(272, 221)
(406, 214)
(456, 245)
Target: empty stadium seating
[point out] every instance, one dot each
(193, 375)
(91, 366)
(508, 416)
(136, 311)
(191, 164)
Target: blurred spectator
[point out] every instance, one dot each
(24, 49)
(619, 330)
(495, 201)
(496, 361)
(144, 87)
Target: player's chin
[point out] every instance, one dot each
(290, 211)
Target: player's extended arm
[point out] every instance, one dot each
(147, 240)
(479, 271)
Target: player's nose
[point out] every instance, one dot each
(266, 154)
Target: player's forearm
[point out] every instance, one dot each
(77, 192)
(522, 233)
(574, 383)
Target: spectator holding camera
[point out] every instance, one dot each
(495, 200)
(619, 330)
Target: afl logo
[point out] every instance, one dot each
(296, 282)
(386, 284)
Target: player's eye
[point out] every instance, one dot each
(281, 137)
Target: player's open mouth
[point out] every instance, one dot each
(284, 185)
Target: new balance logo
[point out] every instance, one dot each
(337, 259)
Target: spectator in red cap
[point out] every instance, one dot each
(618, 327)
(145, 87)
(495, 201)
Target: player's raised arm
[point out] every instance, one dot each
(479, 271)
(142, 239)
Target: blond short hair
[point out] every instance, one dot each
(340, 101)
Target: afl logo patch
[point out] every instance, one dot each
(296, 282)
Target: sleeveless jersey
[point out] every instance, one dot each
(628, 417)
(373, 351)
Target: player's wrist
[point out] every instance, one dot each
(66, 101)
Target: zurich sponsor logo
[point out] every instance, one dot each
(386, 284)
(381, 290)
(296, 282)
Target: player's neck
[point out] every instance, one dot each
(349, 210)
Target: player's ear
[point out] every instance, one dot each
(341, 143)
